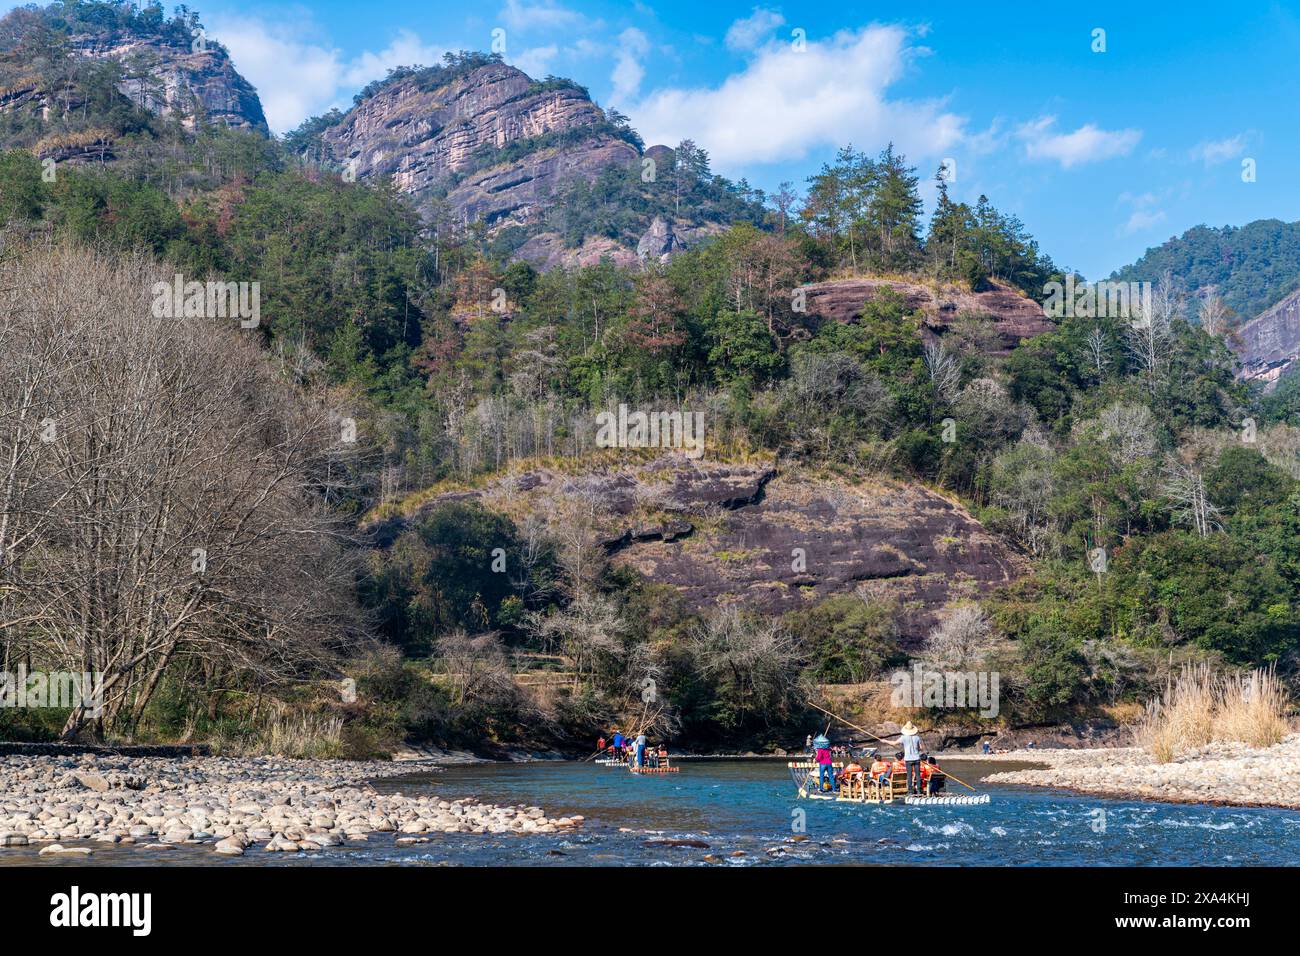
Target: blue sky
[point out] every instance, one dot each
(1101, 154)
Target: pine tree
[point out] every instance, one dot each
(894, 213)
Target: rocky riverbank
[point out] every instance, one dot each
(235, 805)
(1221, 773)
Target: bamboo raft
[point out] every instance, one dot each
(956, 800)
(664, 769)
(860, 788)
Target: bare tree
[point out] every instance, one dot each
(174, 506)
(944, 368)
(1129, 429)
(1214, 313)
(589, 632)
(1184, 486)
(962, 638)
(754, 663)
(1097, 348)
(475, 668)
(1150, 331)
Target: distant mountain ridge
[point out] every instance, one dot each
(1251, 266)
(1256, 270)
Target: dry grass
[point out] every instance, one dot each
(1201, 707)
(301, 735)
(313, 736)
(1252, 709)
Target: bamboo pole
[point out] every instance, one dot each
(884, 741)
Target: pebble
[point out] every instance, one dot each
(1230, 773)
(231, 804)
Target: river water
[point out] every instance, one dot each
(745, 813)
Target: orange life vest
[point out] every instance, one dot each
(879, 768)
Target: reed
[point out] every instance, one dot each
(1252, 709)
(1182, 717)
(1201, 707)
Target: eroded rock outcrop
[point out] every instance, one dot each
(433, 136)
(1014, 316)
(744, 533)
(196, 81)
(1268, 346)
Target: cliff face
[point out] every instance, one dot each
(1268, 346)
(1012, 316)
(739, 533)
(449, 137)
(169, 78)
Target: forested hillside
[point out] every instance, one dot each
(1102, 501)
(1251, 266)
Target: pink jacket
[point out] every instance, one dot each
(823, 755)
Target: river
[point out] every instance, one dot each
(746, 813)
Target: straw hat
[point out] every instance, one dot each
(909, 729)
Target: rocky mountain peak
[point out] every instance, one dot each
(492, 141)
(58, 61)
(168, 76)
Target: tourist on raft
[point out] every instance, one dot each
(618, 744)
(640, 751)
(825, 770)
(911, 744)
(880, 767)
(898, 767)
(932, 778)
(851, 770)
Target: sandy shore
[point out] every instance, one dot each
(1222, 773)
(233, 804)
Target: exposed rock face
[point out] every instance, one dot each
(425, 137)
(195, 80)
(547, 250)
(725, 534)
(1268, 346)
(659, 241)
(1015, 317)
(664, 238)
(896, 541)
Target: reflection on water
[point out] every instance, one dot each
(744, 813)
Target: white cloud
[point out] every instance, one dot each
(407, 49)
(1087, 144)
(296, 78)
(1214, 151)
(1143, 212)
(1142, 219)
(546, 15)
(748, 33)
(536, 61)
(628, 70)
(787, 103)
